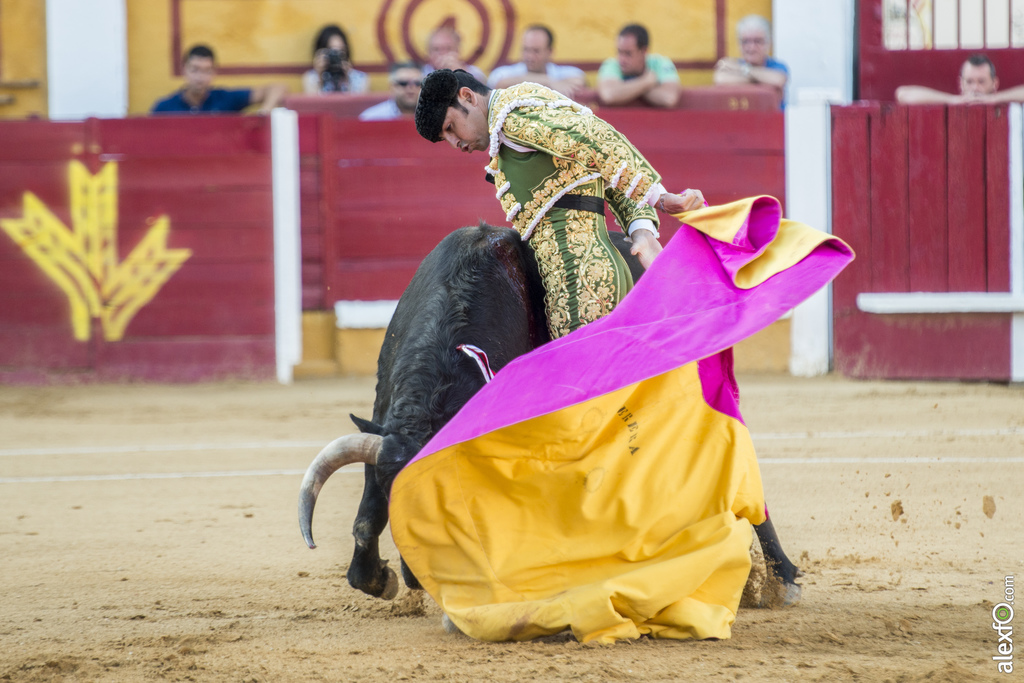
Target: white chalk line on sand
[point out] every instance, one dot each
(889, 434)
(166, 448)
(159, 475)
(356, 469)
(283, 445)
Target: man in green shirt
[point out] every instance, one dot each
(636, 74)
(554, 165)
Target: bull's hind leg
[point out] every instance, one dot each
(778, 565)
(410, 579)
(368, 572)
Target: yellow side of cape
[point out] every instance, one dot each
(634, 518)
(791, 244)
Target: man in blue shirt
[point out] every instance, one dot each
(755, 66)
(198, 97)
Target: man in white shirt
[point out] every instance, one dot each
(978, 84)
(537, 66)
(443, 49)
(404, 80)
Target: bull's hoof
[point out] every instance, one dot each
(774, 594)
(448, 625)
(792, 594)
(391, 586)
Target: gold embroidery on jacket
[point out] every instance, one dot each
(583, 143)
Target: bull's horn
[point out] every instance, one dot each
(335, 455)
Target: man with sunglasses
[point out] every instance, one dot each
(404, 80)
(755, 65)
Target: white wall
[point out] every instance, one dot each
(815, 38)
(284, 127)
(808, 200)
(87, 58)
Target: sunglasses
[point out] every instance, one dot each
(406, 84)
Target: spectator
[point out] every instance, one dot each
(754, 66)
(197, 97)
(332, 65)
(443, 53)
(978, 83)
(635, 74)
(404, 80)
(537, 66)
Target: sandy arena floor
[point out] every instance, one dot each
(149, 533)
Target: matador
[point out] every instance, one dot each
(554, 165)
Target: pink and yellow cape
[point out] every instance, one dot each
(606, 482)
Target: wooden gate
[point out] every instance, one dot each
(376, 198)
(923, 195)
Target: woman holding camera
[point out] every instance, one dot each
(332, 70)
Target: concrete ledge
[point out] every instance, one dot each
(364, 314)
(940, 302)
(315, 369)
(329, 351)
(766, 351)
(356, 350)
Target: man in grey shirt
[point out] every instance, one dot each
(537, 66)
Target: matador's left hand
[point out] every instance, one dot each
(645, 247)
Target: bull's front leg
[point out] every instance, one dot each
(367, 572)
(781, 571)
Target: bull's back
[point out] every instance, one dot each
(478, 286)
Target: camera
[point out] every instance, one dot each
(336, 71)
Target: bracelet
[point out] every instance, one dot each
(661, 203)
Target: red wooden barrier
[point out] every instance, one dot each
(337, 104)
(387, 196)
(717, 97)
(212, 317)
(713, 97)
(922, 195)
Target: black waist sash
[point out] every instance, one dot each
(576, 202)
(581, 203)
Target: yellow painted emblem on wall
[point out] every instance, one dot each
(83, 261)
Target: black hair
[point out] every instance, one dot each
(201, 51)
(441, 91)
(979, 60)
(468, 80)
(639, 33)
(324, 37)
(542, 29)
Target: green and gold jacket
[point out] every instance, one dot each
(589, 157)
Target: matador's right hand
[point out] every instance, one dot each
(678, 203)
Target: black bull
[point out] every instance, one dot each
(479, 286)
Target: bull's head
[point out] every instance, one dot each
(388, 454)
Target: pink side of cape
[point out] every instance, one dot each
(686, 308)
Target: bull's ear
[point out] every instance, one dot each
(367, 427)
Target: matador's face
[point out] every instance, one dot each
(465, 125)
